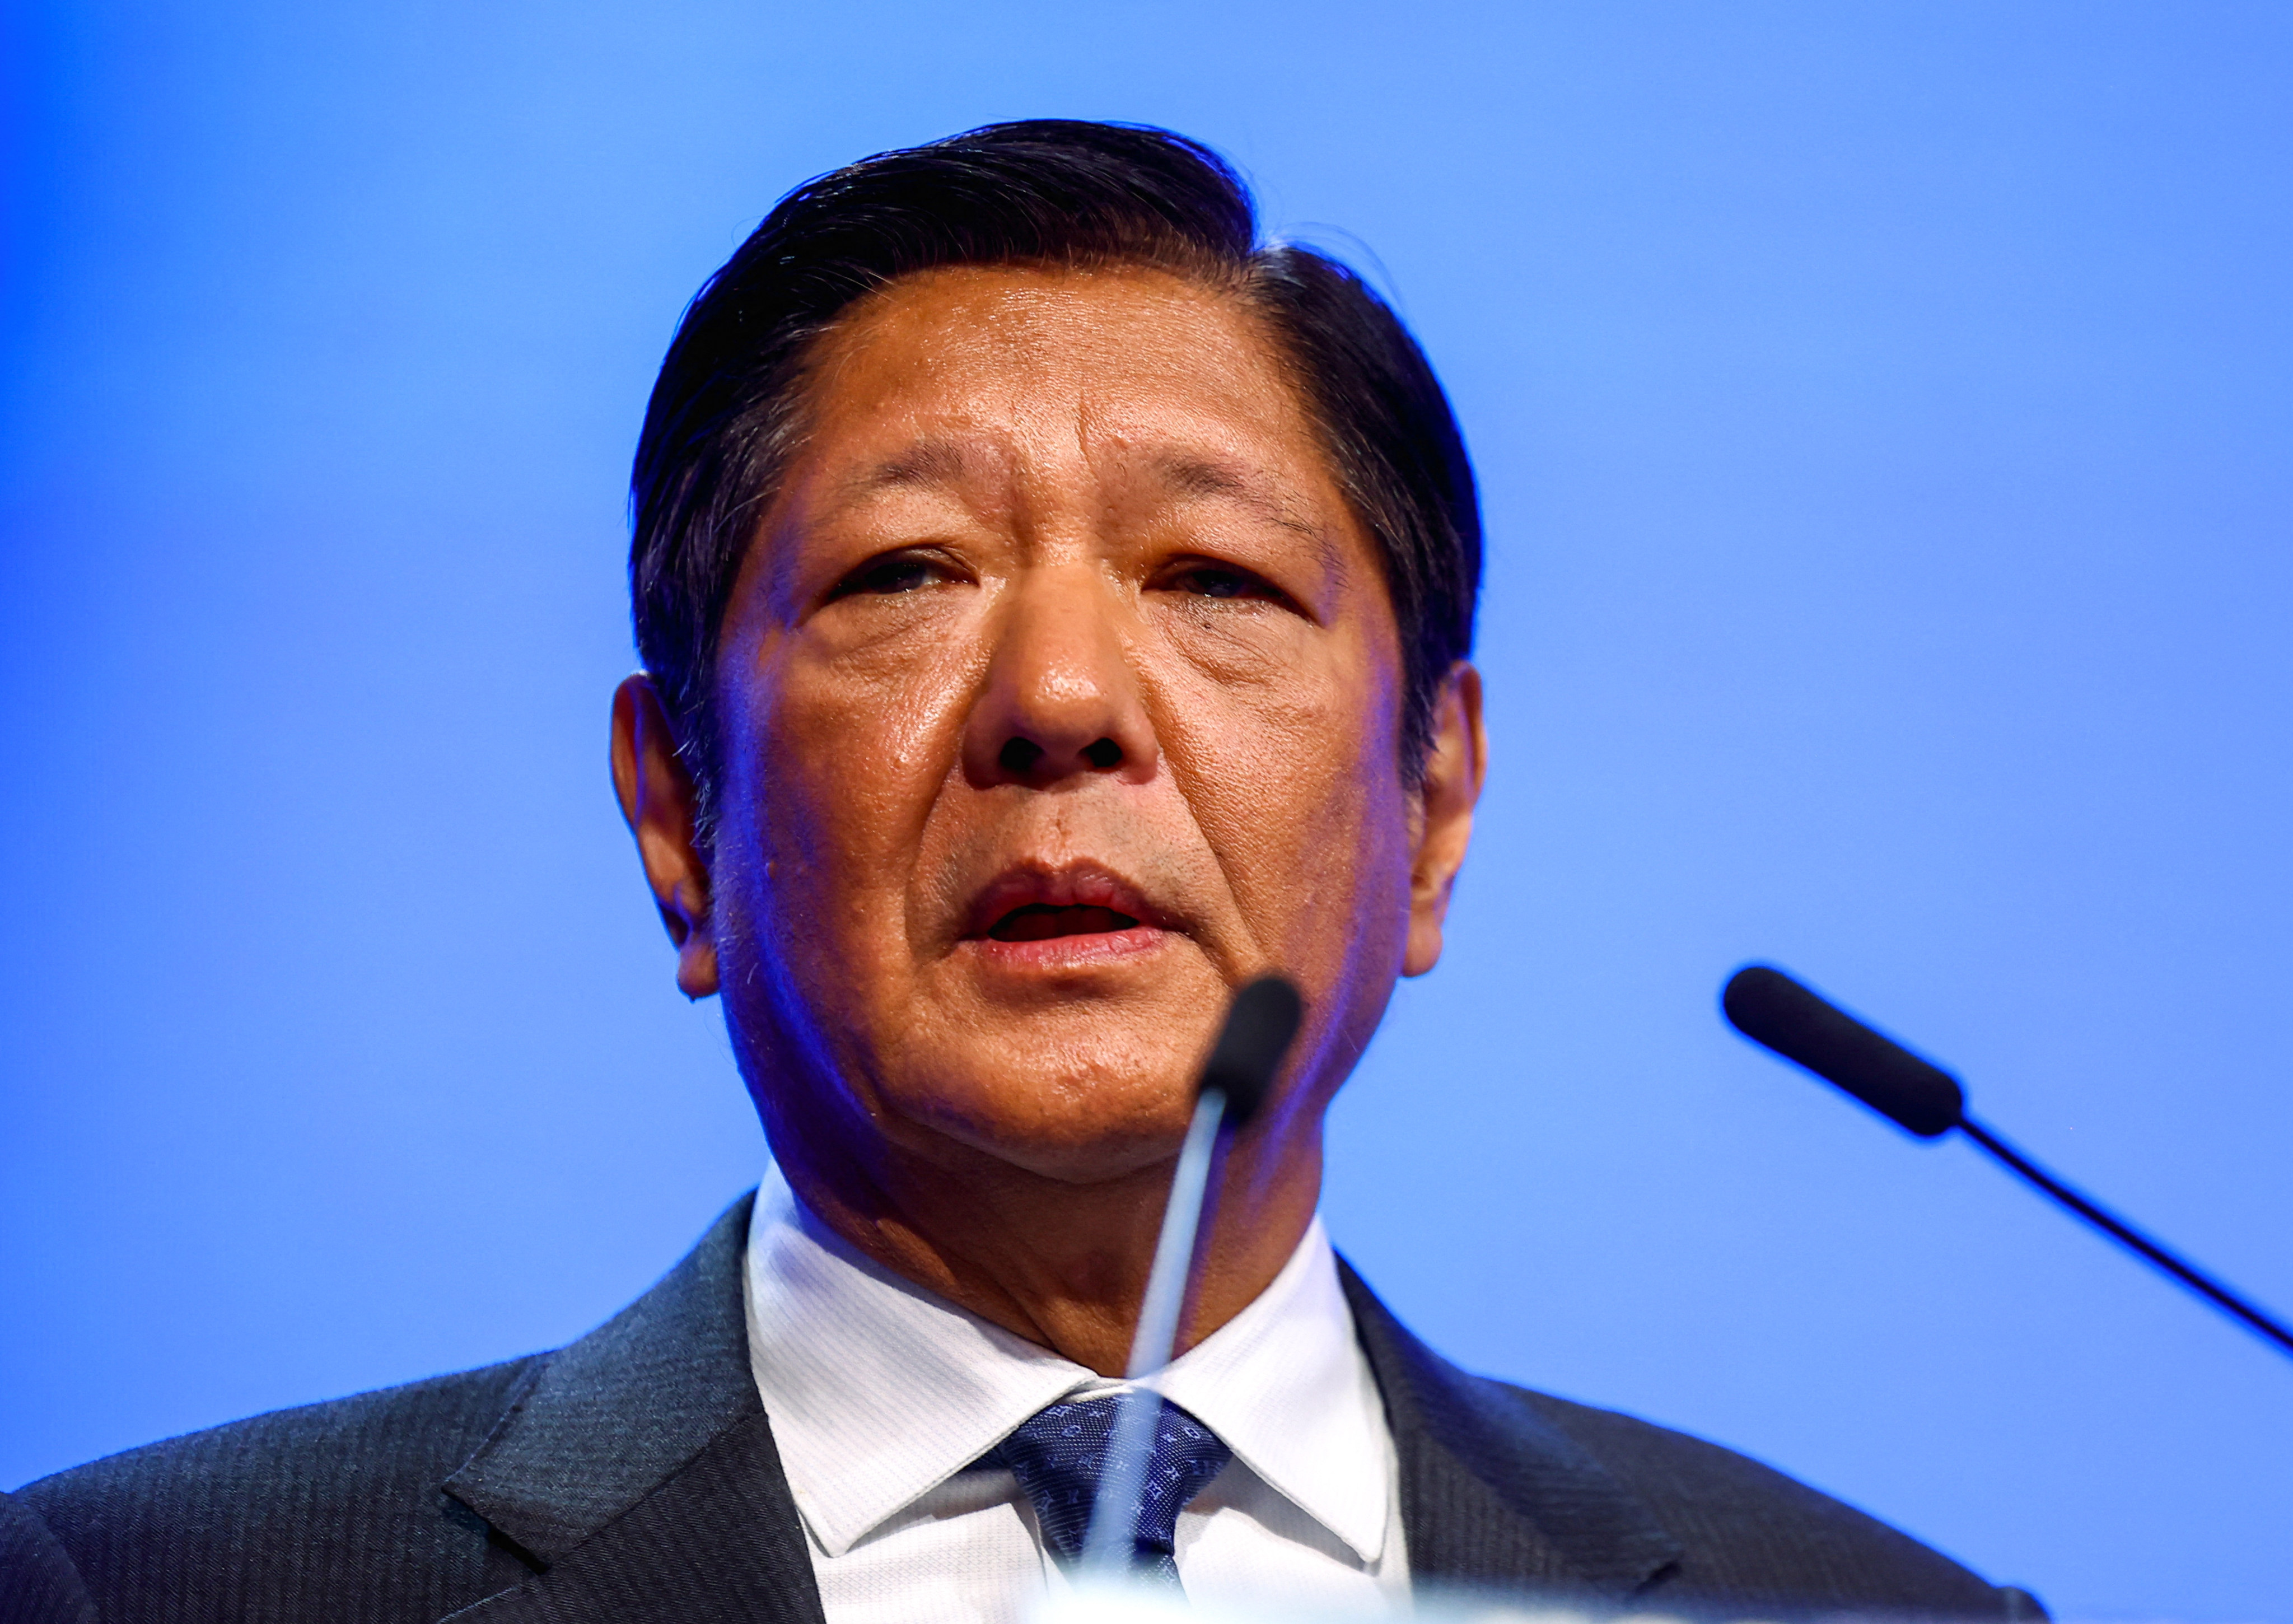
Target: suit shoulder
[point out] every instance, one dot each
(344, 1496)
(1747, 1528)
(363, 1439)
(39, 1584)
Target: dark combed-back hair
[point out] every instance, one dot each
(1051, 193)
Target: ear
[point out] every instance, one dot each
(1452, 785)
(658, 801)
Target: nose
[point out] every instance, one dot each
(1060, 700)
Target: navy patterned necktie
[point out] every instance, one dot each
(1058, 1452)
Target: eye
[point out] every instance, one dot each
(1203, 578)
(892, 574)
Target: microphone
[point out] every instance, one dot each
(1260, 1025)
(1772, 1010)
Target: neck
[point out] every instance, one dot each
(1063, 1264)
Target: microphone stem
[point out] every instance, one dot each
(2204, 1285)
(1107, 1547)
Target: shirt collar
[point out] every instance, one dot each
(1285, 1384)
(879, 1390)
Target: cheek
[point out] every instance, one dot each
(1297, 787)
(1352, 857)
(833, 765)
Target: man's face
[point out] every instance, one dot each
(1059, 696)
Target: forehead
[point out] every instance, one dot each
(1106, 362)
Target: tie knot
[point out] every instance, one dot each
(1059, 1453)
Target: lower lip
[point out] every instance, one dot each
(1084, 951)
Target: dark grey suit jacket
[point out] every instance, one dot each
(631, 1477)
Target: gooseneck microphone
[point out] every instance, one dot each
(1771, 1009)
(1236, 1079)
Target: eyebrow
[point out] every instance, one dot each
(1193, 475)
(928, 462)
(1186, 474)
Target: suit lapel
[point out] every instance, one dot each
(1492, 1495)
(637, 1473)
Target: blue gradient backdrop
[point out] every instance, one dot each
(1883, 414)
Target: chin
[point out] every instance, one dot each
(1051, 1116)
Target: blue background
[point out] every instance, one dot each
(1883, 412)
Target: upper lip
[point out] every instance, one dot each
(1068, 885)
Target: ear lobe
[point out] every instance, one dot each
(659, 802)
(1454, 767)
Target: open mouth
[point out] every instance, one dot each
(1039, 921)
(1057, 918)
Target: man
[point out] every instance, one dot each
(1055, 607)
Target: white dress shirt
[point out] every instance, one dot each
(883, 1396)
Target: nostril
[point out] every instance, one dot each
(1020, 756)
(1103, 753)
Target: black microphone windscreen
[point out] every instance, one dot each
(1259, 1026)
(1769, 1007)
